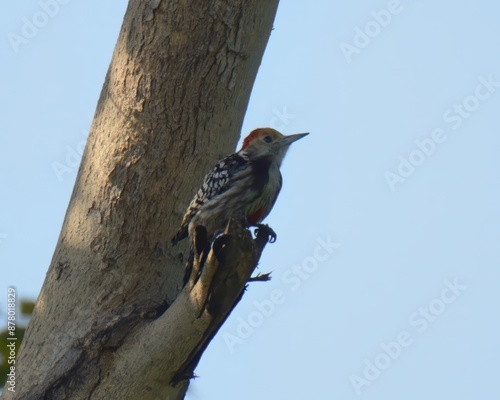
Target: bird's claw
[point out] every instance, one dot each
(267, 230)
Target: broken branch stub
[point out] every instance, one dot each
(224, 277)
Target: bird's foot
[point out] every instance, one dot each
(267, 230)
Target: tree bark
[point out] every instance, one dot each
(112, 320)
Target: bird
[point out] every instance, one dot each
(243, 185)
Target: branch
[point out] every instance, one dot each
(184, 331)
(173, 100)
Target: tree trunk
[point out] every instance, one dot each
(112, 320)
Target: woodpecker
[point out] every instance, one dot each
(244, 185)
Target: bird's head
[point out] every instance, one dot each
(269, 142)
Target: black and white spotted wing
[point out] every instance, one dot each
(215, 183)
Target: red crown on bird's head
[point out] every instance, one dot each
(253, 135)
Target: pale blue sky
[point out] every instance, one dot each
(411, 251)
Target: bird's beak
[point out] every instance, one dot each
(288, 140)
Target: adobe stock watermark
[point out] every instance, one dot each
(363, 37)
(71, 160)
(419, 321)
(454, 117)
(291, 281)
(11, 339)
(281, 119)
(48, 10)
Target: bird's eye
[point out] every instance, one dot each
(268, 139)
